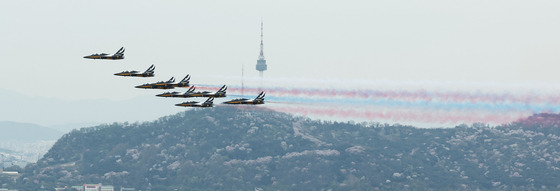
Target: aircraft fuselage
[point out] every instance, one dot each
(155, 86)
(193, 104)
(181, 85)
(245, 102)
(135, 74)
(113, 57)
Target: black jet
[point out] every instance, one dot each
(148, 73)
(220, 93)
(176, 94)
(117, 56)
(167, 85)
(207, 103)
(159, 85)
(258, 100)
(191, 93)
(170, 94)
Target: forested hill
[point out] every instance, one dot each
(230, 149)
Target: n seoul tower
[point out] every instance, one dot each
(261, 62)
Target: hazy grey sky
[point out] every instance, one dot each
(42, 42)
(316, 43)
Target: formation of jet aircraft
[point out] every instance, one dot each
(191, 93)
(169, 84)
(117, 56)
(148, 73)
(207, 103)
(258, 100)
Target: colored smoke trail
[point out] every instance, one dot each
(501, 107)
(414, 106)
(441, 96)
(407, 115)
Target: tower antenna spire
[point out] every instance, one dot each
(261, 62)
(261, 55)
(242, 85)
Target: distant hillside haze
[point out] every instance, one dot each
(2, 150)
(237, 148)
(56, 112)
(26, 132)
(66, 128)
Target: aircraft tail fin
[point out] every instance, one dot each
(186, 79)
(260, 96)
(209, 102)
(120, 51)
(171, 80)
(191, 89)
(223, 89)
(150, 69)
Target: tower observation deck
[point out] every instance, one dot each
(261, 62)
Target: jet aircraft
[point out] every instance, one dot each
(148, 73)
(159, 85)
(207, 103)
(117, 56)
(167, 85)
(258, 100)
(191, 93)
(176, 94)
(169, 94)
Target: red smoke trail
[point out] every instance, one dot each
(408, 115)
